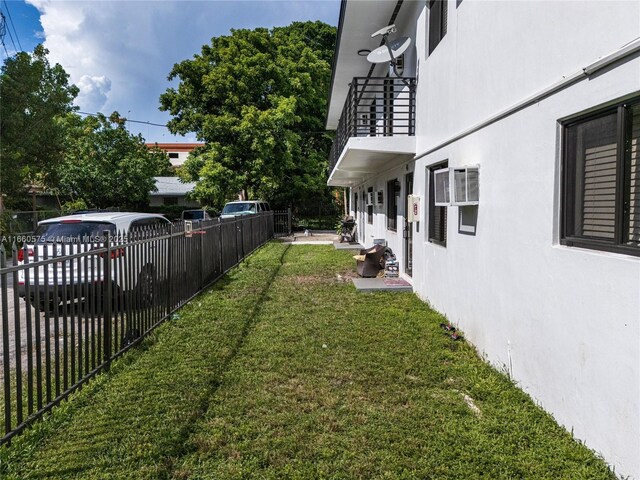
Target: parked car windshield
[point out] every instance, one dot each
(73, 232)
(231, 208)
(193, 214)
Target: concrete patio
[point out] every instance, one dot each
(368, 285)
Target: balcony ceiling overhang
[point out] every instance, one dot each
(364, 157)
(359, 20)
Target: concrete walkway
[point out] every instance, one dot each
(320, 237)
(382, 285)
(312, 237)
(327, 237)
(347, 245)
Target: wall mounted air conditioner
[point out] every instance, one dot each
(441, 187)
(465, 186)
(369, 199)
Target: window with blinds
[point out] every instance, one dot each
(393, 193)
(437, 23)
(601, 187)
(633, 229)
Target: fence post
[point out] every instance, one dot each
(16, 337)
(5, 341)
(201, 254)
(221, 247)
(106, 299)
(289, 221)
(170, 270)
(239, 231)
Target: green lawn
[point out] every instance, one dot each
(282, 370)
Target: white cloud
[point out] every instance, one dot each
(93, 92)
(119, 53)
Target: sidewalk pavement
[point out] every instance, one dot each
(314, 237)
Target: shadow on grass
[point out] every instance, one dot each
(181, 444)
(85, 435)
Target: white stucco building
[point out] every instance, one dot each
(178, 152)
(530, 111)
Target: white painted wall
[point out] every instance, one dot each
(563, 321)
(182, 157)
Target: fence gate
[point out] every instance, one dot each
(282, 223)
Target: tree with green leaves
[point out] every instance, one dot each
(35, 97)
(106, 166)
(258, 100)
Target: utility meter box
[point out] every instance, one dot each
(413, 215)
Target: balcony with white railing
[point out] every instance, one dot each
(376, 129)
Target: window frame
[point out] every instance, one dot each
(364, 206)
(437, 23)
(568, 194)
(431, 227)
(370, 208)
(393, 187)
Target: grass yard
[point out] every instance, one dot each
(282, 370)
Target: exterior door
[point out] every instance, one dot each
(408, 227)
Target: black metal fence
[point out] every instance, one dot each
(282, 223)
(68, 310)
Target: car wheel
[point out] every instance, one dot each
(46, 306)
(130, 337)
(96, 300)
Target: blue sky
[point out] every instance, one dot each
(120, 52)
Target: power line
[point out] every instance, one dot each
(12, 41)
(322, 132)
(8, 30)
(6, 5)
(3, 31)
(127, 120)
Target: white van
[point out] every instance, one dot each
(78, 234)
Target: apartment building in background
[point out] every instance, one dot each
(500, 161)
